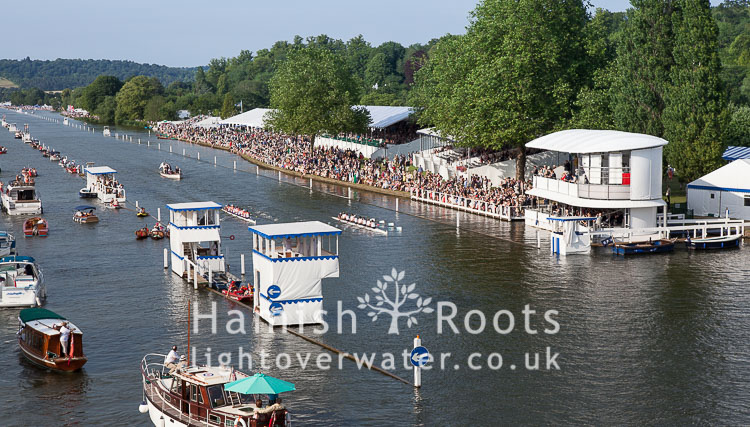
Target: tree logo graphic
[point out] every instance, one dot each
(401, 294)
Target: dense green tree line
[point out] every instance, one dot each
(72, 73)
(529, 67)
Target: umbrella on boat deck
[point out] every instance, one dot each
(84, 208)
(260, 384)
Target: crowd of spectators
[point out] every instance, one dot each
(294, 153)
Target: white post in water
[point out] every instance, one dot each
(195, 276)
(159, 146)
(417, 369)
(279, 175)
(396, 204)
(199, 155)
(458, 220)
(538, 240)
(170, 148)
(158, 214)
(235, 164)
(136, 203)
(166, 259)
(242, 264)
(214, 160)
(139, 141)
(350, 192)
(310, 183)
(148, 143)
(183, 152)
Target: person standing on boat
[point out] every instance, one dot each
(171, 359)
(64, 338)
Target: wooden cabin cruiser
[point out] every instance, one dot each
(21, 198)
(41, 339)
(101, 180)
(106, 131)
(166, 171)
(196, 396)
(36, 226)
(18, 135)
(12, 128)
(21, 282)
(27, 138)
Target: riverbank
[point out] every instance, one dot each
(357, 186)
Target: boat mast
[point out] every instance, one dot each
(188, 344)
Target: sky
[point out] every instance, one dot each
(190, 32)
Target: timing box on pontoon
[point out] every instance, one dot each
(194, 238)
(289, 263)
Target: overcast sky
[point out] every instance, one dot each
(191, 32)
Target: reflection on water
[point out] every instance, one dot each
(656, 339)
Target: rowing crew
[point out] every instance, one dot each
(237, 211)
(358, 220)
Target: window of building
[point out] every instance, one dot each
(712, 195)
(747, 200)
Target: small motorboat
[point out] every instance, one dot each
(18, 135)
(650, 247)
(114, 204)
(29, 172)
(41, 339)
(142, 233)
(106, 131)
(84, 214)
(54, 156)
(167, 171)
(3, 150)
(716, 242)
(35, 226)
(86, 193)
(158, 232)
(236, 292)
(141, 212)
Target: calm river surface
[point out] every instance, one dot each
(651, 340)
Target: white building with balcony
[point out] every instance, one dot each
(289, 263)
(615, 174)
(194, 238)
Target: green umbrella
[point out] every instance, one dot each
(259, 384)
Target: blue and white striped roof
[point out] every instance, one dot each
(193, 206)
(733, 153)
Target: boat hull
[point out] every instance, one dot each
(709, 244)
(60, 364)
(175, 176)
(250, 220)
(363, 227)
(643, 248)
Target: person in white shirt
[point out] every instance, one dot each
(64, 338)
(171, 359)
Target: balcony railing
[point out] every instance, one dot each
(585, 191)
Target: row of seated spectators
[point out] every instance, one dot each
(294, 153)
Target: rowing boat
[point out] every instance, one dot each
(362, 226)
(238, 216)
(717, 242)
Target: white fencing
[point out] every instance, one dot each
(479, 207)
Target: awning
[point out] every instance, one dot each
(733, 153)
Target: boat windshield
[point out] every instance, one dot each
(216, 395)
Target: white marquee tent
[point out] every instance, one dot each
(382, 116)
(252, 118)
(725, 188)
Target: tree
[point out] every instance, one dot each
(133, 97)
(106, 109)
(644, 62)
(377, 70)
(695, 114)
(313, 92)
(228, 109)
(99, 89)
(510, 79)
(738, 131)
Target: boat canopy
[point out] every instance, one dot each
(294, 229)
(17, 259)
(194, 206)
(100, 170)
(30, 314)
(84, 207)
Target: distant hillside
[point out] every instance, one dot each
(71, 73)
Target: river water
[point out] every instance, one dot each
(653, 340)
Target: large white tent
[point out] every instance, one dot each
(725, 188)
(382, 116)
(253, 118)
(209, 122)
